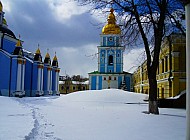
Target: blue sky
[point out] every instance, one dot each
(62, 27)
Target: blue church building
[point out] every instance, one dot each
(110, 72)
(24, 73)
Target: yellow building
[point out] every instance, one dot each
(68, 86)
(171, 73)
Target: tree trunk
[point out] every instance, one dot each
(153, 105)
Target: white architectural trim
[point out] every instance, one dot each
(23, 74)
(18, 86)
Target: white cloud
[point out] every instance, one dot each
(74, 61)
(65, 9)
(132, 59)
(6, 6)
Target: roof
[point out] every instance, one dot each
(97, 72)
(7, 31)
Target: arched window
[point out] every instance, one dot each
(110, 60)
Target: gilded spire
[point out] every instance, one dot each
(55, 57)
(55, 62)
(111, 27)
(19, 44)
(38, 50)
(47, 54)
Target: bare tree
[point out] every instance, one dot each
(146, 22)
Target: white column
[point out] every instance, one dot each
(187, 9)
(121, 60)
(106, 60)
(115, 40)
(106, 41)
(41, 88)
(97, 82)
(38, 83)
(57, 81)
(115, 55)
(99, 56)
(18, 87)
(23, 74)
(48, 80)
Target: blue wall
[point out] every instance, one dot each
(8, 45)
(100, 82)
(128, 83)
(13, 76)
(45, 78)
(93, 83)
(5, 74)
(53, 79)
(119, 81)
(28, 78)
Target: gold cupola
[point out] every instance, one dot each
(18, 49)
(111, 27)
(55, 62)
(38, 51)
(1, 7)
(37, 55)
(18, 44)
(47, 59)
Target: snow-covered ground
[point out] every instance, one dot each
(89, 115)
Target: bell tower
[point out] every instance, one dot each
(110, 51)
(110, 72)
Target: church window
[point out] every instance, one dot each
(114, 78)
(104, 78)
(79, 88)
(162, 65)
(109, 77)
(166, 63)
(110, 60)
(118, 55)
(102, 54)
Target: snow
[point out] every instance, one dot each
(109, 114)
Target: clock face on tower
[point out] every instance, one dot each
(110, 39)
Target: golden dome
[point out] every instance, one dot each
(1, 7)
(55, 58)
(47, 55)
(111, 27)
(19, 44)
(38, 51)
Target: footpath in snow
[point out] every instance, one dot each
(88, 115)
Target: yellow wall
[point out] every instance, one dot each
(171, 74)
(68, 87)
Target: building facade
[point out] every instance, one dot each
(110, 72)
(24, 73)
(171, 73)
(69, 86)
